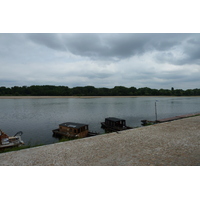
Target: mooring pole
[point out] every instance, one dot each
(156, 110)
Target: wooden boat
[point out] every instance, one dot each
(7, 141)
(73, 130)
(114, 124)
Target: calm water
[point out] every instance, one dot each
(37, 117)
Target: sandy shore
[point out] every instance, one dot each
(56, 97)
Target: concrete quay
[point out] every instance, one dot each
(175, 143)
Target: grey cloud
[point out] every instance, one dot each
(11, 45)
(111, 46)
(98, 75)
(166, 41)
(169, 57)
(25, 58)
(50, 40)
(121, 46)
(127, 45)
(84, 44)
(188, 49)
(192, 49)
(192, 57)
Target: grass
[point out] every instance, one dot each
(14, 148)
(17, 148)
(149, 123)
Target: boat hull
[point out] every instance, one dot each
(12, 142)
(114, 128)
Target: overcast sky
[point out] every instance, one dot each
(101, 60)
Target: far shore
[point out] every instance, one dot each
(60, 97)
(64, 97)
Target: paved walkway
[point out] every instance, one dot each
(175, 143)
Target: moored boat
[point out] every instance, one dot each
(73, 130)
(10, 141)
(114, 124)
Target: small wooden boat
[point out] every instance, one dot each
(73, 130)
(114, 124)
(7, 141)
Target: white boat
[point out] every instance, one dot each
(7, 141)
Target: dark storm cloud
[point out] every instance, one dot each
(53, 41)
(96, 46)
(122, 46)
(127, 45)
(84, 44)
(176, 49)
(117, 46)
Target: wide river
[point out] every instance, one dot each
(38, 117)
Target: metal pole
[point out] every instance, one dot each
(156, 111)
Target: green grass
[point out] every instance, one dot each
(14, 149)
(31, 146)
(17, 148)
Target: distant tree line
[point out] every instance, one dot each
(51, 90)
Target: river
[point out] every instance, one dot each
(38, 117)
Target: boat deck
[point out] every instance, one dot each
(114, 128)
(13, 142)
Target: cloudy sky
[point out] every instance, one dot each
(101, 60)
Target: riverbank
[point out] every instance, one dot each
(65, 97)
(175, 143)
